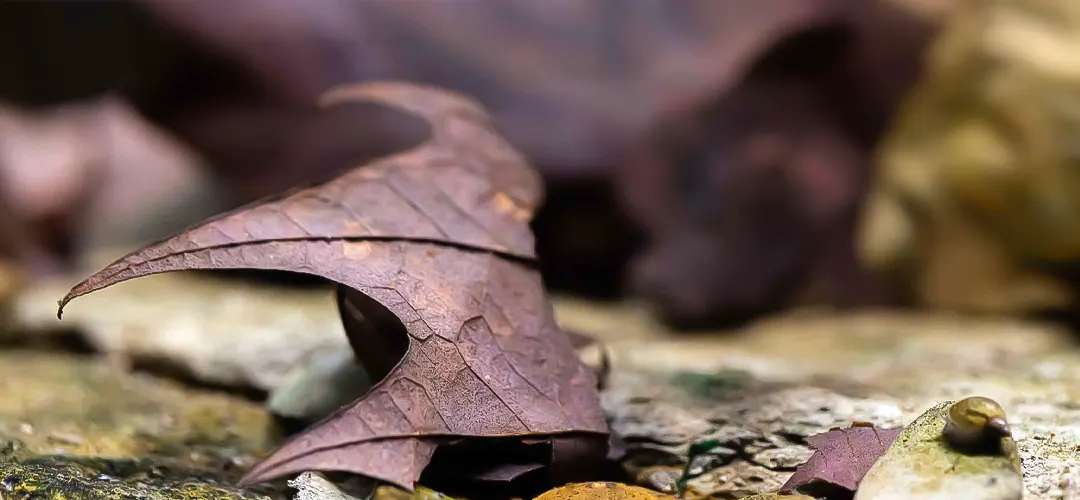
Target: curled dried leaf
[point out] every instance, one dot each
(841, 457)
(439, 294)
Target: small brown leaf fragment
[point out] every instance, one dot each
(841, 456)
(439, 295)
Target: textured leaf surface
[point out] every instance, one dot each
(842, 456)
(432, 250)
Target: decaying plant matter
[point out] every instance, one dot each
(841, 457)
(438, 292)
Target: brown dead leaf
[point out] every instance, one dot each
(439, 295)
(841, 457)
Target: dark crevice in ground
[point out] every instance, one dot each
(175, 371)
(69, 341)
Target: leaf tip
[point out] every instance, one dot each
(249, 479)
(268, 470)
(260, 474)
(60, 306)
(75, 292)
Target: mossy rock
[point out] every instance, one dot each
(920, 465)
(65, 478)
(75, 427)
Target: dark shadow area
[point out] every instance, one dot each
(81, 50)
(809, 53)
(377, 336)
(584, 239)
(826, 491)
(278, 279)
(499, 468)
(177, 371)
(64, 340)
(1068, 317)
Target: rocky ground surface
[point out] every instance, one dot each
(73, 427)
(87, 423)
(763, 389)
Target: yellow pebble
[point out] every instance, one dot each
(601, 491)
